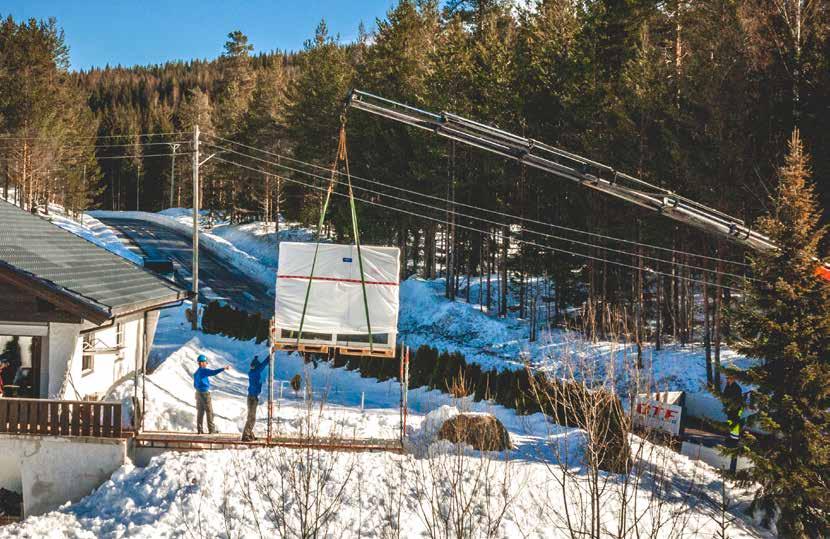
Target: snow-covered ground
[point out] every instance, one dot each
(533, 490)
(259, 492)
(262, 493)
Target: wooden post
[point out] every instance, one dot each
(404, 389)
(271, 379)
(139, 367)
(145, 348)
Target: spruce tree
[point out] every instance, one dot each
(316, 95)
(784, 323)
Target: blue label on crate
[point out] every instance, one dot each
(349, 260)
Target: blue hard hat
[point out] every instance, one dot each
(201, 359)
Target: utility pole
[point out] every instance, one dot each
(174, 147)
(195, 304)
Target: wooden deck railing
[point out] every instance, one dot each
(60, 418)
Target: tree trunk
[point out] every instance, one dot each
(658, 334)
(640, 325)
(429, 251)
(402, 237)
(717, 324)
(503, 287)
(707, 335)
(491, 262)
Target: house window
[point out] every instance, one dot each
(88, 357)
(119, 341)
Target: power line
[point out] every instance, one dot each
(83, 137)
(517, 240)
(500, 224)
(124, 145)
(495, 212)
(141, 156)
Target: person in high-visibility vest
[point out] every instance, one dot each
(733, 406)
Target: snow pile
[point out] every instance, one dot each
(419, 441)
(232, 493)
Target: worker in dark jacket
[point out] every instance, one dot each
(733, 406)
(201, 382)
(254, 389)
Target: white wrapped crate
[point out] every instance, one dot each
(335, 315)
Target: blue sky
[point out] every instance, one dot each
(101, 32)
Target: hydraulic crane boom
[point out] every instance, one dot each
(570, 166)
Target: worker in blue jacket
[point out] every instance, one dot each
(254, 389)
(201, 382)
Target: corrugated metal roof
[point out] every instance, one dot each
(34, 246)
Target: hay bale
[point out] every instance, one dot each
(296, 382)
(482, 431)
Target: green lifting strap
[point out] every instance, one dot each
(341, 155)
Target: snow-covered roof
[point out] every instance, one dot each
(62, 267)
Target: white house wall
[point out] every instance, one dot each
(107, 366)
(63, 345)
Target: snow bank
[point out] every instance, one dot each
(259, 240)
(420, 440)
(93, 230)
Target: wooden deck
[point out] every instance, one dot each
(188, 441)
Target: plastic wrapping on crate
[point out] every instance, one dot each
(335, 302)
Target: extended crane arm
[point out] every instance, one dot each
(570, 166)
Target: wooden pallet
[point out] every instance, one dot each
(326, 348)
(331, 344)
(360, 351)
(302, 347)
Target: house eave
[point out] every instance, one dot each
(55, 294)
(150, 305)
